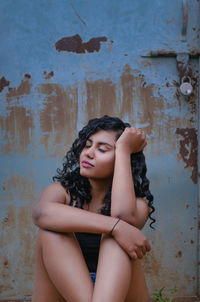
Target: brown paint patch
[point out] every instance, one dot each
(101, 98)
(188, 149)
(152, 264)
(3, 83)
(10, 222)
(17, 129)
(16, 241)
(48, 75)
(75, 44)
(24, 227)
(178, 255)
(24, 88)
(139, 102)
(18, 187)
(58, 118)
(27, 75)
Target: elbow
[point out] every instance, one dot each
(37, 215)
(127, 217)
(131, 219)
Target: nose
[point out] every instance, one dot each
(90, 152)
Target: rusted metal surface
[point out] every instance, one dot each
(188, 150)
(3, 83)
(75, 44)
(192, 52)
(49, 88)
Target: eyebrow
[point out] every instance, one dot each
(100, 143)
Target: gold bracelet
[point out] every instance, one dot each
(114, 226)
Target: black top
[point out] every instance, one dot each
(90, 244)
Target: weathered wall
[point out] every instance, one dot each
(63, 63)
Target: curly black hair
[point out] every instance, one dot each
(79, 186)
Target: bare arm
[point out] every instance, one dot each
(124, 203)
(52, 212)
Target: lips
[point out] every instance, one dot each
(86, 164)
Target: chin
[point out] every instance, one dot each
(84, 173)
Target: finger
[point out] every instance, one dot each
(133, 255)
(144, 250)
(139, 253)
(148, 247)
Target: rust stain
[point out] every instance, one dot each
(101, 98)
(18, 187)
(16, 127)
(152, 264)
(128, 84)
(18, 229)
(27, 75)
(7, 243)
(24, 88)
(170, 20)
(58, 118)
(5, 263)
(48, 75)
(3, 83)
(188, 149)
(24, 228)
(75, 44)
(139, 101)
(178, 255)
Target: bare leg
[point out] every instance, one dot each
(113, 272)
(61, 272)
(138, 291)
(118, 279)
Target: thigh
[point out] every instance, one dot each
(44, 289)
(66, 268)
(138, 291)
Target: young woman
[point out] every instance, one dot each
(90, 219)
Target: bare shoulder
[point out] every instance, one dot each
(55, 192)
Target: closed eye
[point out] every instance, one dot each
(87, 146)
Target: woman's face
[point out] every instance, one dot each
(98, 156)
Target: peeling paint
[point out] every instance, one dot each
(58, 118)
(139, 101)
(3, 83)
(18, 187)
(48, 75)
(24, 88)
(16, 128)
(75, 44)
(179, 254)
(188, 149)
(101, 98)
(152, 264)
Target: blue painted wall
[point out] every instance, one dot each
(102, 65)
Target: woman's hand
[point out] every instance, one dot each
(132, 140)
(133, 242)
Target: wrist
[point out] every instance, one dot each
(122, 150)
(114, 226)
(117, 227)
